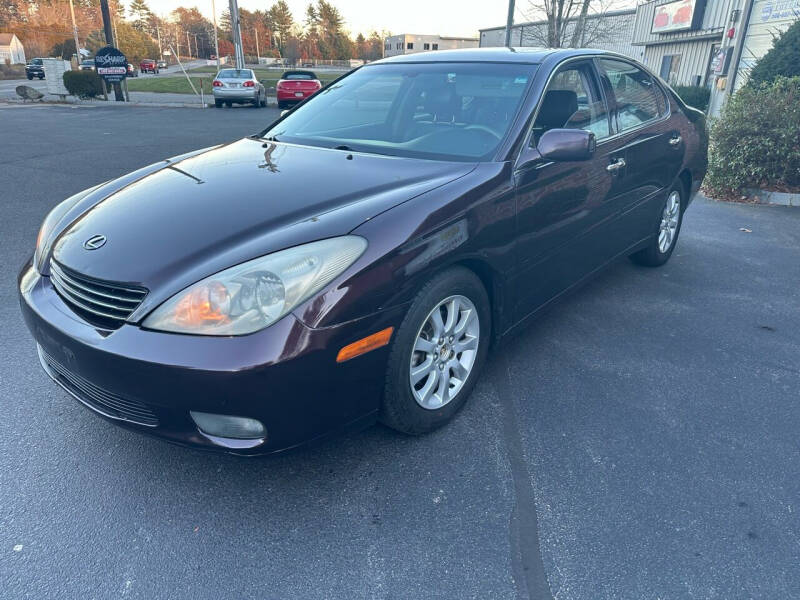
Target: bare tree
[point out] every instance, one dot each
(567, 23)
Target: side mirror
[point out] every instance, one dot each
(567, 145)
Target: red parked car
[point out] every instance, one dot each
(296, 86)
(148, 65)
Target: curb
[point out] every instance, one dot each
(774, 198)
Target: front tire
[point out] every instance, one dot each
(660, 248)
(437, 353)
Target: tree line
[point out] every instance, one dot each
(44, 28)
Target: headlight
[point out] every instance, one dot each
(52, 219)
(255, 294)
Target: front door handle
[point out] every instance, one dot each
(614, 167)
(675, 141)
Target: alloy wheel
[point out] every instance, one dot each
(444, 352)
(669, 222)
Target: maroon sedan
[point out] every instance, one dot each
(357, 259)
(296, 86)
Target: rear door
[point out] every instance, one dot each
(649, 135)
(564, 208)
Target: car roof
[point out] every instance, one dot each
(527, 55)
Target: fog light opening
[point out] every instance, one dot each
(228, 426)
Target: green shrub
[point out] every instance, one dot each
(756, 140)
(83, 84)
(783, 59)
(694, 95)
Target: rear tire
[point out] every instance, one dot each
(667, 229)
(218, 103)
(41, 76)
(228, 104)
(413, 408)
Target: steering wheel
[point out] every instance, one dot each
(485, 129)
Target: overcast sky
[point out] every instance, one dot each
(444, 17)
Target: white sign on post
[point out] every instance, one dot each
(54, 69)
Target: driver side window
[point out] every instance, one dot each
(572, 101)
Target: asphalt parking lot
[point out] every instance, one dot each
(640, 440)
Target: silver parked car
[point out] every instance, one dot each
(240, 86)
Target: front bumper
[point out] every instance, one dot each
(286, 375)
(235, 94)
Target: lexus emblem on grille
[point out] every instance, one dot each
(94, 242)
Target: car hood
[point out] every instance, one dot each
(176, 222)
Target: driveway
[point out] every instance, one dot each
(638, 441)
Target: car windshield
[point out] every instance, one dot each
(37, 61)
(235, 74)
(443, 111)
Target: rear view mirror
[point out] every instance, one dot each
(566, 145)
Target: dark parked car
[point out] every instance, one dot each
(357, 259)
(132, 72)
(296, 86)
(35, 69)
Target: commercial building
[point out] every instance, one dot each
(410, 43)
(711, 43)
(611, 30)
(11, 49)
(680, 38)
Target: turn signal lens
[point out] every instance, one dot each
(364, 345)
(203, 305)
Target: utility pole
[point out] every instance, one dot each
(196, 51)
(110, 41)
(177, 45)
(75, 33)
(158, 33)
(509, 22)
(258, 54)
(188, 45)
(216, 41)
(237, 33)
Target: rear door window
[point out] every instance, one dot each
(635, 93)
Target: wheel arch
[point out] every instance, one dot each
(491, 281)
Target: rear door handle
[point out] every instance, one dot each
(675, 141)
(615, 166)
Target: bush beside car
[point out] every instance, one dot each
(694, 95)
(83, 84)
(756, 140)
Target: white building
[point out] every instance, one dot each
(11, 49)
(410, 43)
(612, 30)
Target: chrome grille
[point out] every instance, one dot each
(106, 403)
(110, 301)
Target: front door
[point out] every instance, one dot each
(562, 207)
